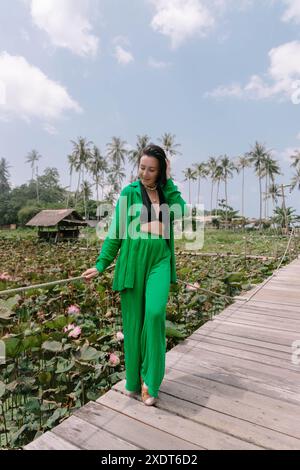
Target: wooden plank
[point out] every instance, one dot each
(273, 337)
(262, 318)
(50, 441)
(189, 430)
(87, 436)
(254, 355)
(243, 343)
(270, 301)
(265, 306)
(267, 325)
(250, 406)
(208, 366)
(130, 429)
(283, 314)
(265, 309)
(199, 412)
(274, 374)
(254, 320)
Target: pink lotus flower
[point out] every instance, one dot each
(75, 332)
(40, 315)
(114, 360)
(119, 336)
(5, 277)
(69, 327)
(73, 309)
(192, 287)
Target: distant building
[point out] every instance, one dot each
(57, 225)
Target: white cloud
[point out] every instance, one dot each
(181, 19)
(123, 57)
(221, 91)
(298, 136)
(281, 80)
(29, 93)
(292, 12)
(50, 129)
(157, 64)
(121, 41)
(284, 156)
(66, 23)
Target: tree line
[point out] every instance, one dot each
(103, 173)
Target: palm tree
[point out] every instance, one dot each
(33, 157)
(168, 144)
(201, 172)
(295, 182)
(274, 193)
(81, 154)
(227, 167)
(243, 162)
(117, 150)
(98, 166)
(218, 177)
(269, 169)
(257, 156)
(4, 176)
(284, 217)
(133, 155)
(87, 193)
(296, 159)
(189, 175)
(114, 186)
(72, 164)
(117, 153)
(211, 170)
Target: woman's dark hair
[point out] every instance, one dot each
(155, 151)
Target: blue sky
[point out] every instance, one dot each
(218, 74)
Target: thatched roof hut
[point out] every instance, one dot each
(57, 224)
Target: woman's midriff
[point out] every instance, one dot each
(156, 227)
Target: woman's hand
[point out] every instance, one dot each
(168, 170)
(90, 273)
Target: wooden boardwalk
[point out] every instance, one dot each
(231, 385)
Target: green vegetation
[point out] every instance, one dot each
(64, 344)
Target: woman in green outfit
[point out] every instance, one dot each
(142, 228)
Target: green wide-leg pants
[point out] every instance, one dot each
(144, 315)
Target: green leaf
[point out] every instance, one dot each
(87, 353)
(33, 341)
(13, 346)
(18, 434)
(58, 323)
(6, 307)
(32, 405)
(172, 330)
(53, 346)
(45, 378)
(58, 413)
(234, 277)
(2, 389)
(63, 365)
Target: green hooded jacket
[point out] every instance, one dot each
(125, 221)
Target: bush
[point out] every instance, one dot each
(26, 213)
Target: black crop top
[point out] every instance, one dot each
(148, 213)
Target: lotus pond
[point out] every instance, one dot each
(64, 344)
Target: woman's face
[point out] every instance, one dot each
(148, 170)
